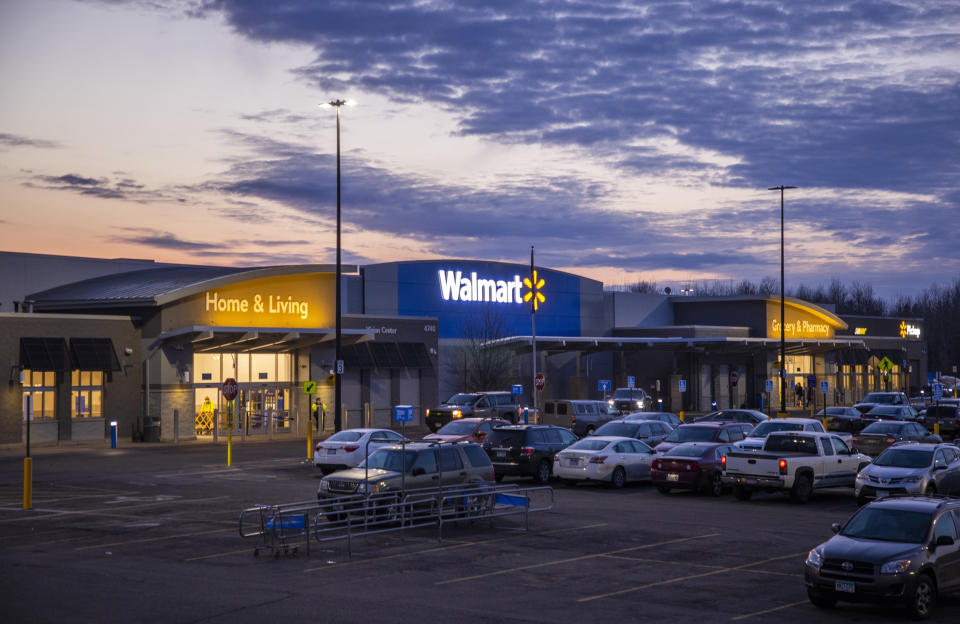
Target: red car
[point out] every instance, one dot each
(691, 466)
(466, 429)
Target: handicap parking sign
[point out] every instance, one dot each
(403, 413)
(769, 385)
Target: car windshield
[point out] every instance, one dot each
(876, 397)
(461, 399)
(765, 428)
(882, 427)
(626, 430)
(589, 445)
(689, 450)
(388, 459)
(345, 436)
(626, 393)
(691, 434)
(837, 411)
(457, 427)
(904, 458)
(889, 525)
(885, 410)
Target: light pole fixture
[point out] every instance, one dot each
(338, 368)
(783, 331)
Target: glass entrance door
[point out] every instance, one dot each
(265, 409)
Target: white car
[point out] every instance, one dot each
(347, 448)
(612, 459)
(756, 438)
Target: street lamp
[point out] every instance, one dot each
(783, 332)
(338, 369)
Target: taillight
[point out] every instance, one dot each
(573, 420)
(428, 412)
(890, 440)
(855, 439)
(783, 466)
(863, 416)
(723, 463)
(319, 447)
(493, 473)
(351, 448)
(598, 459)
(656, 464)
(526, 450)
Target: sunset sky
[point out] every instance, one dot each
(625, 140)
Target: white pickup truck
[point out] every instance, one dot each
(793, 461)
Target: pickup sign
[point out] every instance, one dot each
(796, 462)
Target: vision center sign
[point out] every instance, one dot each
(305, 300)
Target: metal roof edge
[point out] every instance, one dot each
(252, 274)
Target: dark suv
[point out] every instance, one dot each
(705, 431)
(947, 416)
(895, 550)
(469, 404)
(526, 450)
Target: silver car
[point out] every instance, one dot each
(910, 468)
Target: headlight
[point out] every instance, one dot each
(362, 488)
(324, 485)
(457, 413)
(915, 479)
(428, 412)
(639, 403)
(895, 567)
(815, 557)
(610, 401)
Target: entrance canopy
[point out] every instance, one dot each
(597, 344)
(203, 338)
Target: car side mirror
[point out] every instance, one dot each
(835, 527)
(944, 540)
(419, 470)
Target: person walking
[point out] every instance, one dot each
(798, 390)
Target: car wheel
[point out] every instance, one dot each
(742, 493)
(923, 599)
(542, 475)
(802, 487)
(715, 486)
(498, 477)
(931, 490)
(821, 602)
(589, 430)
(618, 478)
(663, 489)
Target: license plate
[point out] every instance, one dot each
(574, 461)
(673, 476)
(883, 493)
(331, 451)
(501, 454)
(847, 587)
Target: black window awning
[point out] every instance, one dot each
(386, 355)
(357, 356)
(44, 354)
(415, 355)
(94, 354)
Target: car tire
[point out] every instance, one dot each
(714, 487)
(821, 602)
(618, 478)
(930, 490)
(589, 431)
(663, 489)
(498, 477)
(742, 493)
(922, 601)
(543, 473)
(801, 490)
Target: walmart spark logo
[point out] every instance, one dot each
(903, 329)
(535, 285)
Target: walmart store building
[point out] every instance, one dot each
(148, 345)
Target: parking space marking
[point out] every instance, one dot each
(688, 577)
(154, 539)
(461, 544)
(780, 608)
(687, 564)
(572, 559)
(56, 513)
(222, 554)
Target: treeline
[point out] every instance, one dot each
(938, 306)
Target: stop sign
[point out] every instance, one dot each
(229, 389)
(539, 381)
(734, 377)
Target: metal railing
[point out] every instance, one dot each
(283, 528)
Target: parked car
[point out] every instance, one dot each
(468, 404)
(843, 419)
(667, 417)
(695, 466)
(752, 417)
(466, 429)
(349, 447)
(526, 450)
(910, 468)
(891, 412)
(947, 417)
(900, 550)
(876, 437)
(704, 432)
(651, 432)
(612, 459)
(581, 417)
(627, 400)
(415, 465)
(874, 399)
(758, 435)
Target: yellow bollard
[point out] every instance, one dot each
(936, 428)
(680, 416)
(310, 440)
(28, 483)
(825, 428)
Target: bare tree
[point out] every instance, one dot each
(479, 364)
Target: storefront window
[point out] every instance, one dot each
(206, 367)
(86, 394)
(39, 390)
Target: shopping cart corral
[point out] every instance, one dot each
(284, 529)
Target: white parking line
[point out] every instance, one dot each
(780, 608)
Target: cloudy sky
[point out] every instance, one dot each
(625, 140)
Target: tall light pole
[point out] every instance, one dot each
(338, 368)
(783, 331)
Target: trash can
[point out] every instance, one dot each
(151, 429)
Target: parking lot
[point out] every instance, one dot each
(149, 533)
